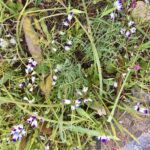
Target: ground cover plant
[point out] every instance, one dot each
(67, 69)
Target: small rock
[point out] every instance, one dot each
(141, 13)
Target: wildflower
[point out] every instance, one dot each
(115, 84)
(122, 31)
(33, 78)
(143, 110)
(22, 85)
(133, 30)
(136, 107)
(78, 102)
(58, 68)
(78, 92)
(137, 67)
(118, 4)
(66, 23)
(113, 15)
(32, 121)
(130, 23)
(55, 78)
(70, 16)
(103, 138)
(18, 132)
(46, 148)
(66, 101)
(73, 107)
(3, 43)
(127, 34)
(85, 89)
(88, 100)
(68, 45)
(54, 49)
(13, 41)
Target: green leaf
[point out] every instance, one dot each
(77, 11)
(82, 113)
(106, 12)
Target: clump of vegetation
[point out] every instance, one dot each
(66, 68)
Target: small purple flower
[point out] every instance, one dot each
(22, 85)
(18, 132)
(127, 34)
(78, 101)
(68, 45)
(113, 15)
(118, 4)
(66, 101)
(143, 110)
(32, 120)
(70, 16)
(66, 23)
(137, 67)
(34, 123)
(88, 100)
(131, 23)
(133, 30)
(104, 139)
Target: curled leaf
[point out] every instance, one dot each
(32, 40)
(46, 85)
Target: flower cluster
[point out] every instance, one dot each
(68, 45)
(118, 5)
(33, 121)
(68, 19)
(131, 29)
(139, 108)
(78, 102)
(113, 15)
(4, 43)
(18, 132)
(103, 138)
(31, 76)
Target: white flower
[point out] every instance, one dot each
(70, 16)
(78, 92)
(54, 83)
(133, 30)
(25, 98)
(85, 89)
(130, 23)
(113, 15)
(73, 107)
(66, 23)
(88, 100)
(66, 101)
(143, 110)
(34, 123)
(54, 49)
(122, 31)
(127, 34)
(33, 78)
(13, 41)
(3, 43)
(78, 101)
(115, 84)
(46, 148)
(55, 77)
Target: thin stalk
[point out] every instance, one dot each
(95, 53)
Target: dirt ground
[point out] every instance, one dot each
(139, 127)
